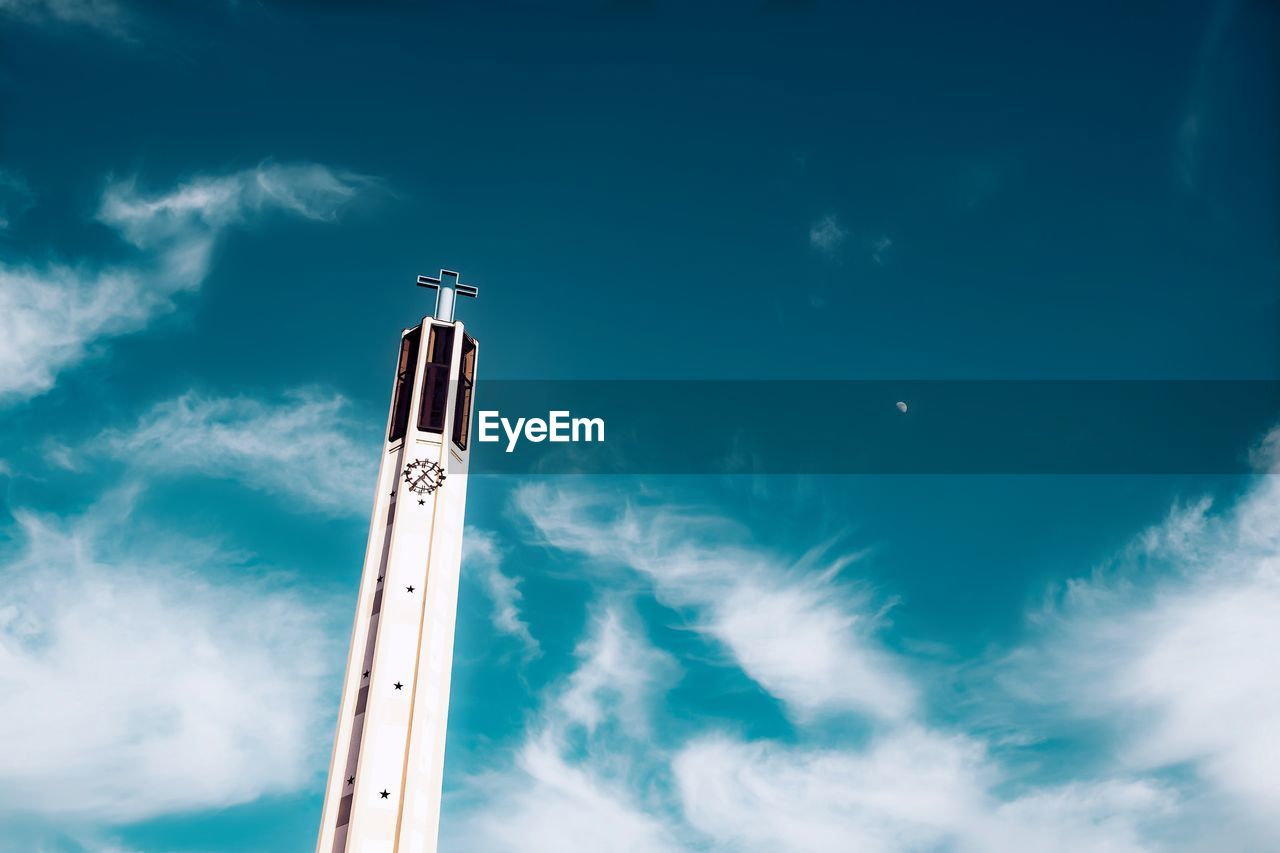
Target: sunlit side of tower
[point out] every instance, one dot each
(386, 772)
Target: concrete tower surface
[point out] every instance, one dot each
(387, 767)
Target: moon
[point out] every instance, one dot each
(902, 407)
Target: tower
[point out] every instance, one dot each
(383, 794)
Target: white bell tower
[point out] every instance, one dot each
(386, 772)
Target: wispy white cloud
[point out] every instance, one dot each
(1179, 663)
(792, 628)
(203, 206)
(143, 674)
(880, 248)
(568, 785)
(618, 674)
(1207, 80)
(1172, 648)
(59, 455)
(826, 235)
(15, 197)
(105, 15)
(303, 446)
(549, 804)
(482, 556)
(907, 785)
(52, 315)
(1168, 649)
(913, 789)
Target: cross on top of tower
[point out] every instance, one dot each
(446, 285)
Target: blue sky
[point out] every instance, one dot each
(210, 221)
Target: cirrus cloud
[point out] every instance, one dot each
(55, 314)
(912, 789)
(143, 674)
(1169, 647)
(827, 235)
(567, 785)
(801, 636)
(303, 445)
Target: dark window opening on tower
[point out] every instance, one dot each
(462, 399)
(404, 385)
(435, 380)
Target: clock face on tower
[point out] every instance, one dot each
(423, 476)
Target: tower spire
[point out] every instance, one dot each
(387, 768)
(446, 285)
